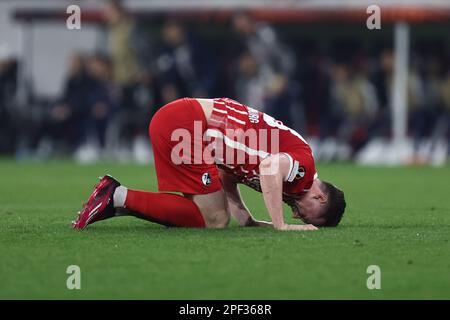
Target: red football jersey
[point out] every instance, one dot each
(241, 137)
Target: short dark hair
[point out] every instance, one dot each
(335, 205)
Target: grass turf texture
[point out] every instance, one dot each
(397, 218)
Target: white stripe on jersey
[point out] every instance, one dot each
(291, 166)
(236, 110)
(293, 172)
(237, 120)
(217, 121)
(231, 117)
(244, 171)
(220, 111)
(235, 144)
(224, 104)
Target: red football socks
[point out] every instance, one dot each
(164, 208)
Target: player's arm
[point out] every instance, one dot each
(273, 170)
(236, 205)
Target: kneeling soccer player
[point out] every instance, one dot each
(203, 148)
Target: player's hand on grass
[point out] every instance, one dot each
(298, 227)
(264, 223)
(258, 223)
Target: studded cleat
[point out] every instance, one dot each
(99, 205)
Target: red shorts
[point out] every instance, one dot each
(176, 132)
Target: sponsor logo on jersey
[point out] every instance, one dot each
(206, 179)
(300, 173)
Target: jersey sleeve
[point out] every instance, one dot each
(302, 171)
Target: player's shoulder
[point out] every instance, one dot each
(302, 171)
(230, 103)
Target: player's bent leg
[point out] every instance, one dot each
(110, 199)
(163, 208)
(191, 211)
(213, 207)
(168, 209)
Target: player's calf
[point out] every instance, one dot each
(110, 199)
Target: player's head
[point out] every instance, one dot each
(323, 205)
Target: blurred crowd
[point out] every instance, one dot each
(339, 97)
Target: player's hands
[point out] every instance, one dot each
(258, 223)
(298, 227)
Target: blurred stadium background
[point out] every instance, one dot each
(370, 96)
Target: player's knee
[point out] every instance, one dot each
(225, 220)
(221, 220)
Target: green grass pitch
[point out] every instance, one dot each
(397, 218)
